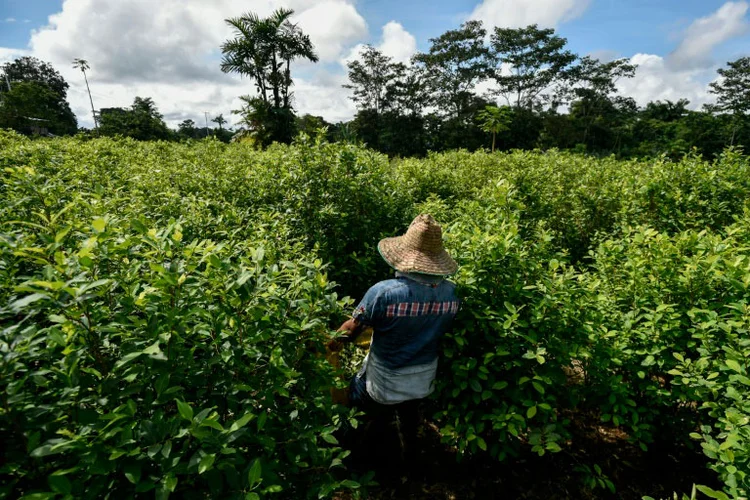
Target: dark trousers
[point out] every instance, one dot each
(382, 417)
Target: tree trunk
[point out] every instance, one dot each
(276, 83)
(93, 113)
(287, 80)
(493, 142)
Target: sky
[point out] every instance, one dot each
(169, 49)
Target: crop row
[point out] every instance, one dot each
(165, 306)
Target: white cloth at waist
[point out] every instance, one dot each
(391, 386)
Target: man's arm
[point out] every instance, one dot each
(348, 332)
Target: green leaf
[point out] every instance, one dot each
(481, 443)
(62, 233)
(186, 412)
(20, 304)
(329, 438)
(734, 365)
(475, 386)
(170, 483)
(99, 224)
(60, 484)
(253, 475)
(127, 359)
(206, 463)
(133, 473)
(153, 349)
(531, 412)
(710, 493)
(241, 422)
(352, 485)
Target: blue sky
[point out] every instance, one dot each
(168, 49)
(622, 27)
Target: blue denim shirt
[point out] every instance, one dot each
(408, 318)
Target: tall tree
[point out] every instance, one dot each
(219, 120)
(31, 69)
(494, 120)
(369, 79)
(32, 107)
(36, 99)
(186, 129)
(263, 49)
(592, 85)
(83, 65)
(142, 121)
(732, 92)
(456, 61)
(529, 61)
(408, 93)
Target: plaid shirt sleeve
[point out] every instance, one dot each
(370, 309)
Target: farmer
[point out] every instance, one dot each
(408, 315)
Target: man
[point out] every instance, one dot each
(408, 315)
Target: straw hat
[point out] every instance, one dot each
(420, 250)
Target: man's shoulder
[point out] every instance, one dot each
(386, 286)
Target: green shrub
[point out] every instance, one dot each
(164, 307)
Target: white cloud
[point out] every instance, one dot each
(397, 42)
(323, 95)
(7, 55)
(707, 33)
(520, 13)
(686, 72)
(10, 20)
(170, 51)
(333, 25)
(656, 80)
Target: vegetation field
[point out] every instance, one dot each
(164, 309)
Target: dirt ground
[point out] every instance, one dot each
(437, 474)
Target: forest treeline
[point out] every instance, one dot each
(504, 88)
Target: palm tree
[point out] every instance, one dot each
(494, 120)
(263, 49)
(220, 120)
(83, 65)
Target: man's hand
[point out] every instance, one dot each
(349, 331)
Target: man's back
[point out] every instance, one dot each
(408, 315)
(409, 318)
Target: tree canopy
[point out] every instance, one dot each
(263, 49)
(141, 121)
(36, 101)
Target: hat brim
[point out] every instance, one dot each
(407, 260)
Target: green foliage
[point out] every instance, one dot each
(263, 49)
(456, 61)
(36, 101)
(494, 120)
(31, 107)
(265, 123)
(31, 69)
(165, 307)
(142, 121)
(538, 59)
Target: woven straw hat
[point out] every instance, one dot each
(420, 250)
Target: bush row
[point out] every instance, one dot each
(164, 307)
